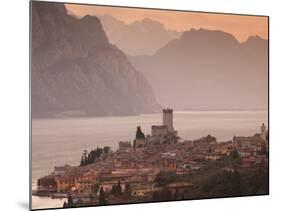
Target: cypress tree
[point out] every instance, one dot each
(82, 163)
(102, 200)
(118, 188)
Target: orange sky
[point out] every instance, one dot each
(240, 26)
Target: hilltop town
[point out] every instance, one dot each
(161, 167)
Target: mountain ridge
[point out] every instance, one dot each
(210, 69)
(140, 37)
(77, 72)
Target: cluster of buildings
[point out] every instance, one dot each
(134, 167)
(252, 145)
(253, 150)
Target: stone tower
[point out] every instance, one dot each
(168, 119)
(263, 131)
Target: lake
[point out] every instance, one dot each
(61, 141)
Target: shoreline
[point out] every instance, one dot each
(155, 113)
(141, 158)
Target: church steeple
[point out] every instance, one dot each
(263, 131)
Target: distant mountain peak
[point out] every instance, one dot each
(110, 18)
(255, 39)
(209, 69)
(148, 23)
(204, 36)
(151, 21)
(209, 33)
(141, 37)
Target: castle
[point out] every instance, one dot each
(160, 134)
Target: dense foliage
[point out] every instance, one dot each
(165, 177)
(225, 177)
(93, 155)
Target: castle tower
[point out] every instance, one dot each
(263, 131)
(168, 119)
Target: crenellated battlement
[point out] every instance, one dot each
(168, 119)
(167, 110)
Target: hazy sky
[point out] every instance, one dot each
(240, 26)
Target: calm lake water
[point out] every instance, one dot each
(61, 141)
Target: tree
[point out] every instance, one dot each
(64, 204)
(134, 144)
(82, 162)
(223, 183)
(234, 154)
(128, 188)
(92, 197)
(106, 149)
(234, 158)
(102, 200)
(69, 201)
(113, 190)
(93, 155)
(116, 189)
(119, 188)
(99, 152)
(139, 133)
(96, 187)
(163, 178)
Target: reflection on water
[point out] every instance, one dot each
(46, 202)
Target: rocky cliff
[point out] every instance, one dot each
(76, 71)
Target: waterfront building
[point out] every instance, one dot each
(65, 184)
(84, 183)
(46, 185)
